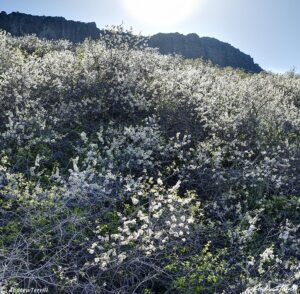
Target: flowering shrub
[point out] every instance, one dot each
(125, 171)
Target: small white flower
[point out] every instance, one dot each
(190, 220)
(295, 288)
(134, 200)
(159, 182)
(84, 137)
(173, 218)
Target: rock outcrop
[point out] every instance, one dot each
(189, 46)
(53, 28)
(192, 46)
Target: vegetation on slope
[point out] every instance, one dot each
(125, 171)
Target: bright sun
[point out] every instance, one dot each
(161, 12)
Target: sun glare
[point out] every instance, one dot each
(161, 12)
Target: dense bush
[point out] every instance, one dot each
(125, 171)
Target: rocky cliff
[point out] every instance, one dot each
(52, 28)
(192, 46)
(189, 46)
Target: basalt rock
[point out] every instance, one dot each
(52, 28)
(192, 46)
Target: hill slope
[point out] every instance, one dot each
(190, 46)
(125, 171)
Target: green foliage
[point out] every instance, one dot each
(201, 273)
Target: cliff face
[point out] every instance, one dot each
(53, 28)
(190, 46)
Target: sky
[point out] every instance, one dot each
(268, 30)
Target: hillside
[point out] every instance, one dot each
(126, 171)
(190, 46)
